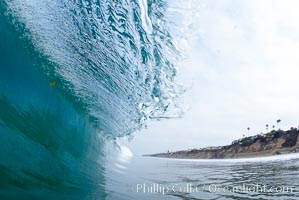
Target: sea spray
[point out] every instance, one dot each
(72, 75)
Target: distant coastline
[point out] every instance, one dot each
(272, 143)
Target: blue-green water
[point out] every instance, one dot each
(73, 76)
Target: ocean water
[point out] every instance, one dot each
(274, 177)
(75, 75)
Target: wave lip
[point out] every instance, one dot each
(116, 58)
(73, 75)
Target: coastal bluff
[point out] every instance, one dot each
(273, 143)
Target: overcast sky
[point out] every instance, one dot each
(243, 65)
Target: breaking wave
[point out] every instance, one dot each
(74, 74)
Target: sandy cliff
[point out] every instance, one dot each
(275, 142)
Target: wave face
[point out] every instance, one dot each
(74, 74)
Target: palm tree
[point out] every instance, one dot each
(267, 126)
(278, 121)
(273, 127)
(248, 131)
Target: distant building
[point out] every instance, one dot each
(212, 148)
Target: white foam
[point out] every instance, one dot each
(146, 22)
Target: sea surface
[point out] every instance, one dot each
(77, 75)
(274, 177)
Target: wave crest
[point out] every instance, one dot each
(115, 57)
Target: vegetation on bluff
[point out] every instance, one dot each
(272, 142)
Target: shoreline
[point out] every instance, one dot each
(261, 145)
(286, 156)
